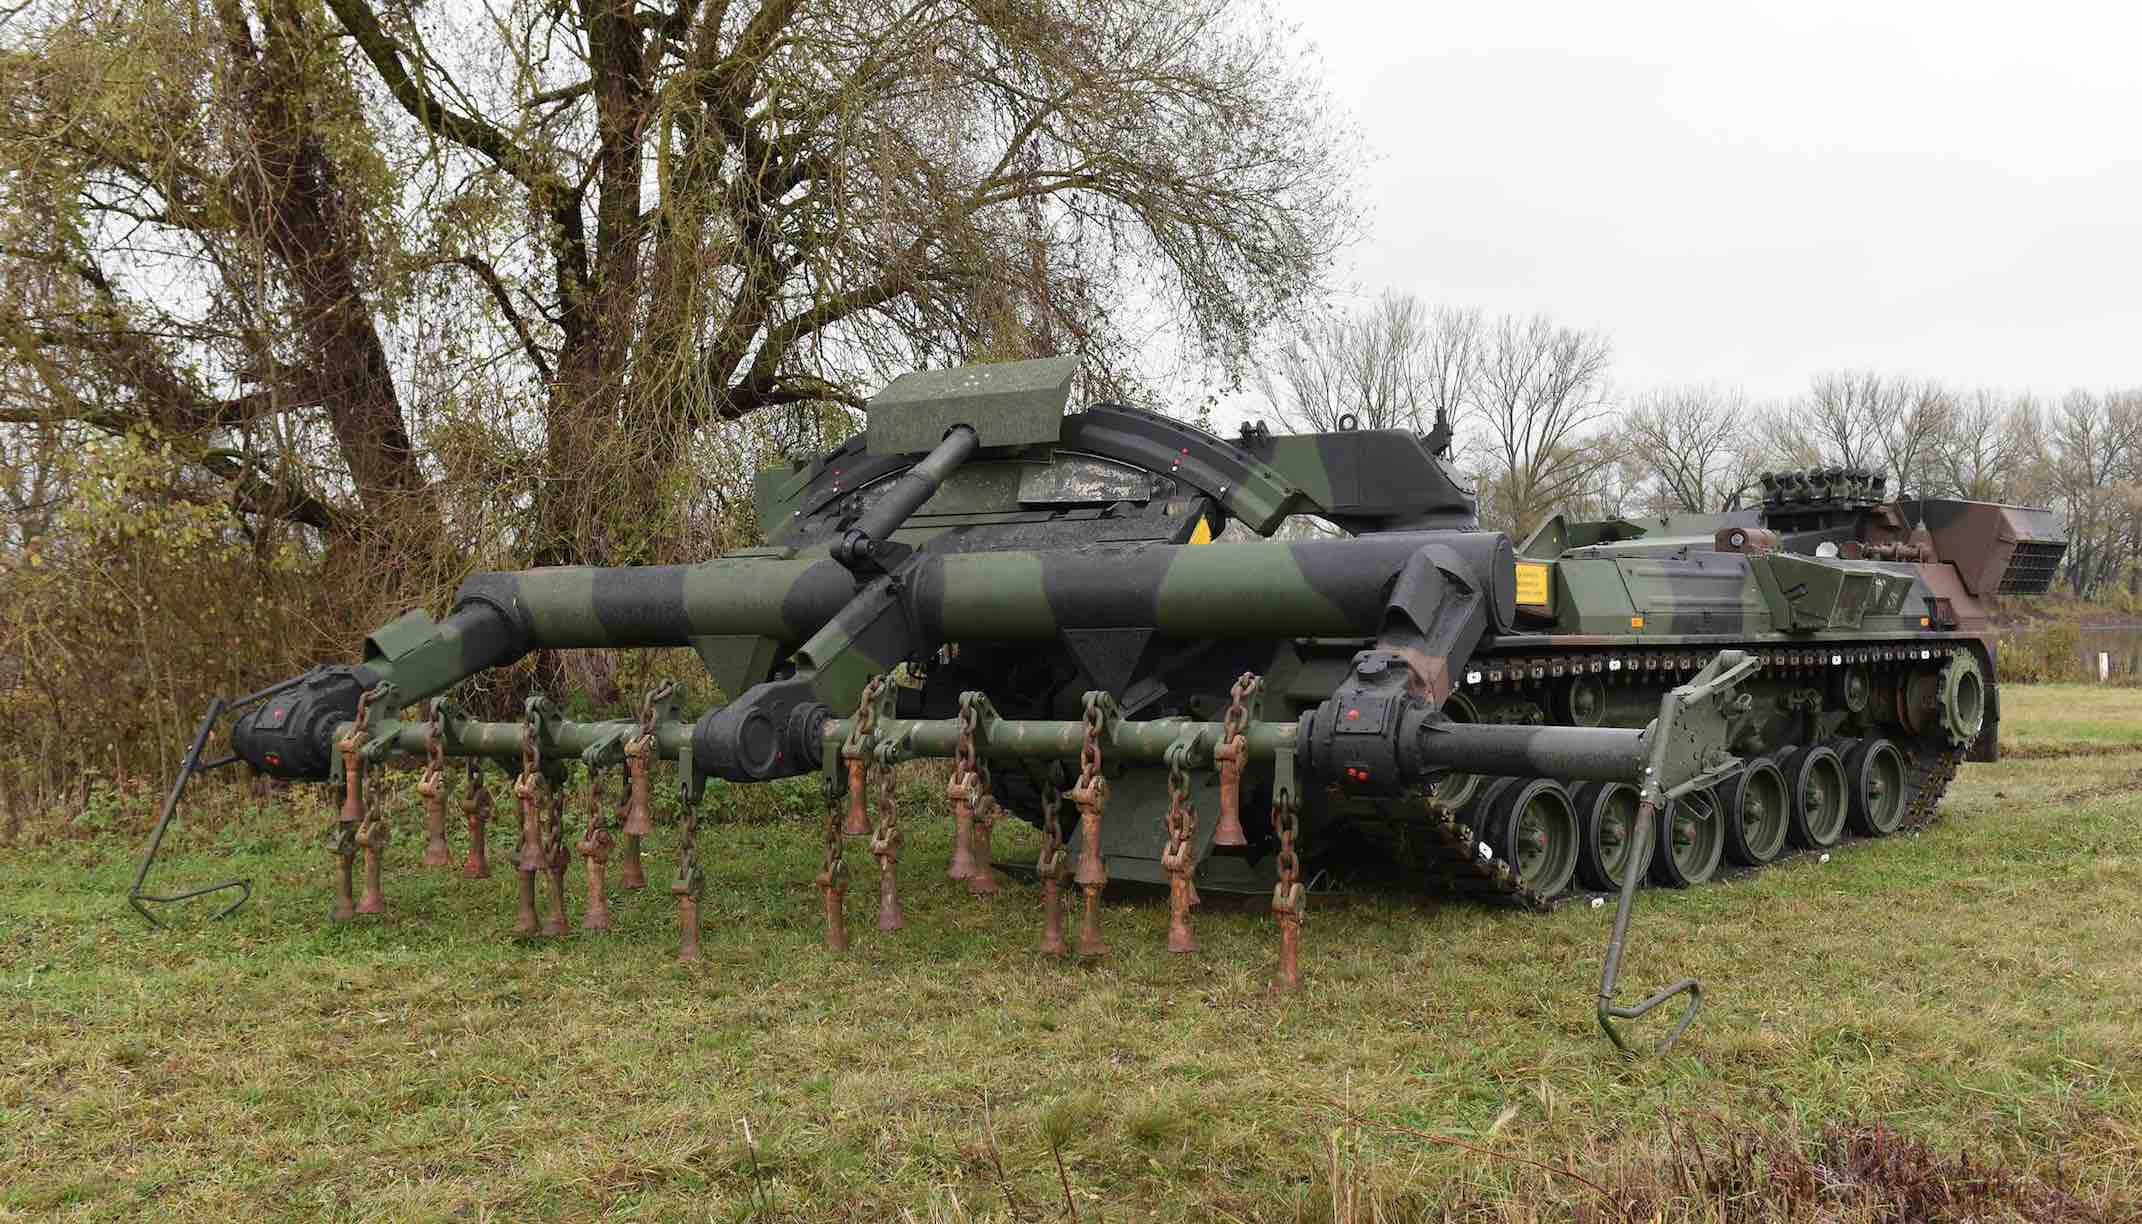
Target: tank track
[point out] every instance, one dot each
(1468, 870)
(1521, 670)
(1930, 783)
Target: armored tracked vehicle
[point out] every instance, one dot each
(1057, 601)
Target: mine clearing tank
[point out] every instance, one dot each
(1041, 597)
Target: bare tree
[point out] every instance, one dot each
(1692, 447)
(1541, 389)
(1398, 365)
(1987, 448)
(1865, 419)
(1841, 416)
(1909, 438)
(2095, 443)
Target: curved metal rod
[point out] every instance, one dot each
(1639, 853)
(192, 765)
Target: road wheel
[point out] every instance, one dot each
(1690, 842)
(1815, 779)
(1606, 820)
(1875, 781)
(1458, 789)
(1534, 828)
(1757, 814)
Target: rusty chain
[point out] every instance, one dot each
(1089, 749)
(1286, 823)
(960, 791)
(342, 841)
(529, 791)
(970, 722)
(1178, 858)
(373, 834)
(835, 869)
(636, 806)
(1231, 757)
(1235, 723)
(688, 879)
(1091, 797)
(532, 792)
(1288, 894)
(833, 876)
(855, 751)
(685, 887)
(1049, 867)
(885, 837)
(982, 873)
(885, 840)
(1180, 819)
(596, 842)
(431, 788)
(556, 858)
(476, 809)
(351, 746)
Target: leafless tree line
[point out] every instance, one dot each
(1540, 428)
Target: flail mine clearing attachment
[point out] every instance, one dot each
(1372, 736)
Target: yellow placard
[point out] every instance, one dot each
(1532, 584)
(1203, 534)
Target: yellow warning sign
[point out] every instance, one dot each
(1203, 534)
(1532, 584)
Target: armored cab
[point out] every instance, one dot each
(1418, 675)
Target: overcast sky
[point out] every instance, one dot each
(1752, 192)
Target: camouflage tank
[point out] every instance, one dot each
(1400, 688)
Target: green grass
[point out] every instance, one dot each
(1974, 987)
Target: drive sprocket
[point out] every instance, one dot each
(1960, 695)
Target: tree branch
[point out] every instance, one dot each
(489, 276)
(468, 131)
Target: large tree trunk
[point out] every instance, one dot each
(292, 201)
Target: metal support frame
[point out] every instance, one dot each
(1709, 697)
(136, 895)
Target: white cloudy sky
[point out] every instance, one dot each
(1751, 192)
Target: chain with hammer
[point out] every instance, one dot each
(1288, 895)
(431, 789)
(1178, 857)
(1090, 795)
(1049, 867)
(1232, 757)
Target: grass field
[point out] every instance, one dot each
(1943, 1025)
